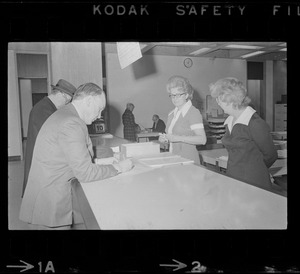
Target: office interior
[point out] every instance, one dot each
(34, 66)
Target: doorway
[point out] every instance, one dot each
(33, 79)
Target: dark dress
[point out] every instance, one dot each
(251, 152)
(38, 115)
(129, 125)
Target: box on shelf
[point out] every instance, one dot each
(139, 149)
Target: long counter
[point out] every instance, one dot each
(177, 197)
(219, 157)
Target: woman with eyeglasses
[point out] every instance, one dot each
(250, 147)
(184, 128)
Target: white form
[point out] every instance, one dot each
(128, 52)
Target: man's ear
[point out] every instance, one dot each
(88, 100)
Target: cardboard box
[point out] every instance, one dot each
(139, 149)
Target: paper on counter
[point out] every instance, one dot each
(107, 135)
(224, 158)
(116, 149)
(105, 161)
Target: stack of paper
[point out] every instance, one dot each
(165, 161)
(105, 161)
(139, 149)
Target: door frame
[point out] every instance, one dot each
(47, 53)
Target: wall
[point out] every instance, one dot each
(13, 107)
(27, 47)
(77, 63)
(144, 84)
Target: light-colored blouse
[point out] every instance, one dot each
(183, 122)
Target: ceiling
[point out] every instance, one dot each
(275, 51)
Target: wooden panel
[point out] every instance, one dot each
(254, 93)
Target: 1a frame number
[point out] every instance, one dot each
(49, 267)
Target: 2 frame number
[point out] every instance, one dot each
(198, 268)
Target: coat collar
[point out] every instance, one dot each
(243, 119)
(73, 109)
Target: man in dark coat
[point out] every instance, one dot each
(61, 95)
(130, 127)
(158, 126)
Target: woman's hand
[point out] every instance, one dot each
(162, 138)
(173, 138)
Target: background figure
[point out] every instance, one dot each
(250, 147)
(61, 95)
(63, 151)
(158, 126)
(130, 127)
(185, 127)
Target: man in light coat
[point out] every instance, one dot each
(63, 150)
(61, 95)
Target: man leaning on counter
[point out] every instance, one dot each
(63, 150)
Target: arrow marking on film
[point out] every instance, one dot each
(179, 265)
(26, 267)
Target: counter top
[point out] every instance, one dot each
(179, 197)
(147, 134)
(106, 140)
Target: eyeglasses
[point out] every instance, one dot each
(68, 99)
(176, 96)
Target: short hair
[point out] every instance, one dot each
(129, 105)
(155, 115)
(86, 90)
(230, 90)
(182, 83)
(55, 91)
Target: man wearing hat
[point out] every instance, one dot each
(61, 95)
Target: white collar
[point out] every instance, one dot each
(183, 110)
(244, 118)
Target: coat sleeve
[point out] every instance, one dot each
(262, 138)
(161, 127)
(72, 140)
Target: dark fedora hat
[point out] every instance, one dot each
(64, 86)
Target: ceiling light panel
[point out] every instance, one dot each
(234, 46)
(197, 52)
(252, 54)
